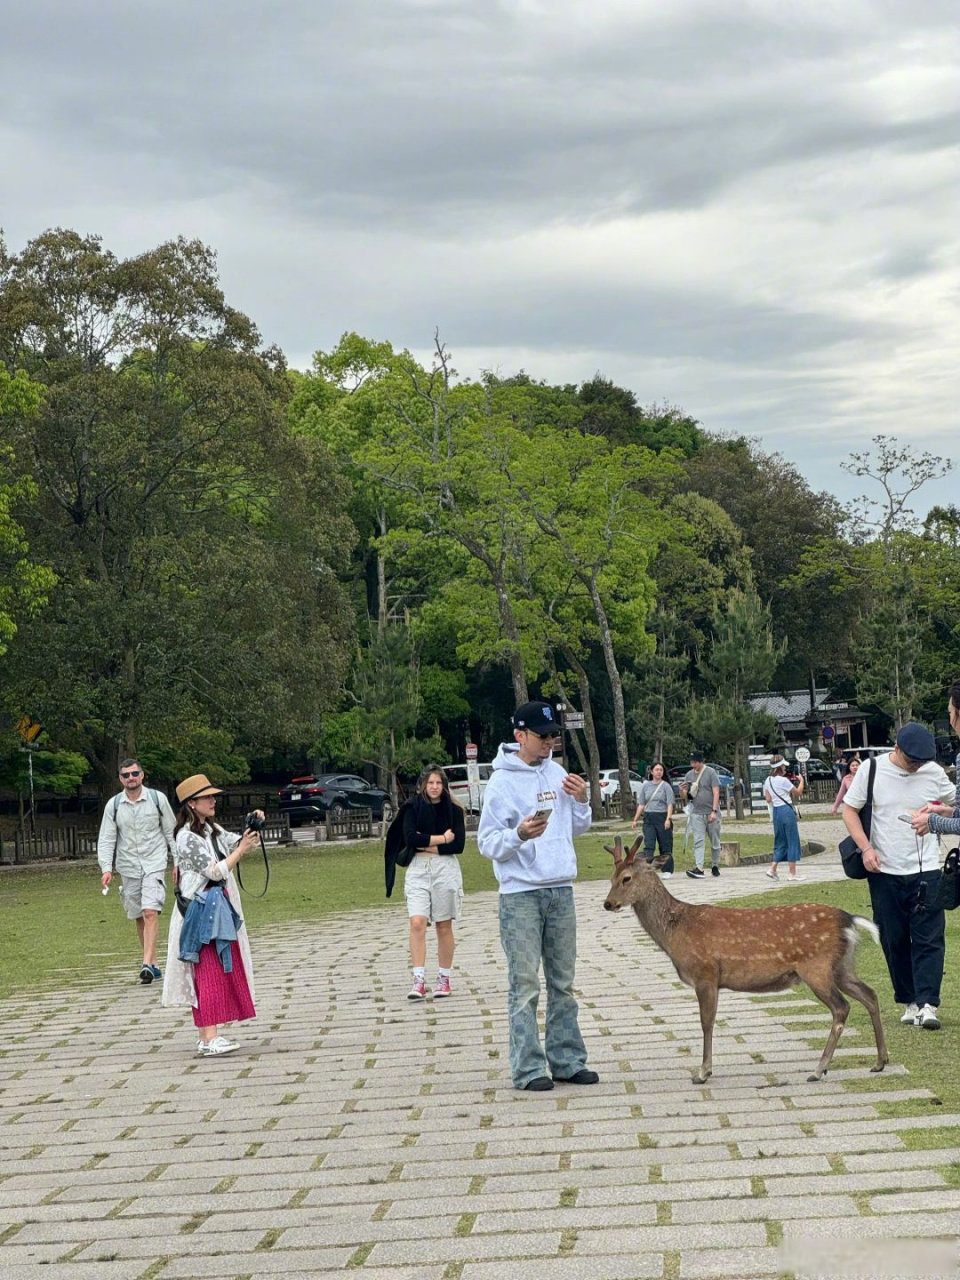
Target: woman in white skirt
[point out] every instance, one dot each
(433, 825)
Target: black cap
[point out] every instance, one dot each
(538, 716)
(696, 755)
(916, 741)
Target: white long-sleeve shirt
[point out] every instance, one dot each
(139, 836)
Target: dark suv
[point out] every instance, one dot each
(312, 798)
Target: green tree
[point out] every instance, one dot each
(194, 748)
(195, 541)
(24, 584)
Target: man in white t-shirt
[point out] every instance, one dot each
(904, 868)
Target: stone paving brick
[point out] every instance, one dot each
(893, 1224)
(322, 1142)
(728, 1263)
(617, 1267)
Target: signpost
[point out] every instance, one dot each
(574, 720)
(473, 776)
(803, 755)
(29, 730)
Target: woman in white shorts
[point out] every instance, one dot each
(433, 825)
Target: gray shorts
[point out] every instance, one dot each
(143, 893)
(433, 886)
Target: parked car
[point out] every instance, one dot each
(817, 770)
(310, 799)
(459, 788)
(610, 783)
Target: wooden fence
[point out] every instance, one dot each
(49, 844)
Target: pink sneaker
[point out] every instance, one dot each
(442, 988)
(419, 990)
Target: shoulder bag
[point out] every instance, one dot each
(947, 895)
(850, 853)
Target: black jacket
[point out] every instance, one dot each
(403, 838)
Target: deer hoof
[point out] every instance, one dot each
(815, 1077)
(702, 1077)
(878, 1067)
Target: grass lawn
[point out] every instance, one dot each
(54, 920)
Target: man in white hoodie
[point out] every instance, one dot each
(532, 809)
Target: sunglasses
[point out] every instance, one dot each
(544, 737)
(130, 773)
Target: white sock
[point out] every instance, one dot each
(444, 973)
(419, 971)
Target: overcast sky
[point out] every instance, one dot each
(749, 210)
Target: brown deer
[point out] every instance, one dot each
(749, 949)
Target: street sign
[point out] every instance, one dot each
(28, 728)
(574, 720)
(828, 732)
(803, 755)
(471, 751)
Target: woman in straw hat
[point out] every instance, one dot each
(206, 856)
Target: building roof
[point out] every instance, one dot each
(794, 704)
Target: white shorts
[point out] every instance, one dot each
(143, 893)
(433, 886)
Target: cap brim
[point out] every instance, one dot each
(204, 791)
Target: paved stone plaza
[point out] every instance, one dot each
(358, 1131)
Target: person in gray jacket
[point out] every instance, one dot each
(532, 810)
(136, 838)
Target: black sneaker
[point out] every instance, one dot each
(714, 870)
(695, 873)
(540, 1084)
(146, 975)
(583, 1076)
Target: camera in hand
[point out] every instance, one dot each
(254, 822)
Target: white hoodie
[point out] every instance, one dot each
(514, 792)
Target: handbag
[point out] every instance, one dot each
(850, 854)
(947, 895)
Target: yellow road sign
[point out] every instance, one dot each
(29, 729)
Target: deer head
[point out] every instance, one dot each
(626, 874)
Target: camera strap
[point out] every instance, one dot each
(266, 871)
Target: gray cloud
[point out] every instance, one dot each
(750, 214)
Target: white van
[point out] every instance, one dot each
(457, 780)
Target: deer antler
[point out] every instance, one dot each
(632, 851)
(617, 850)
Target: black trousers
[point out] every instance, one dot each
(658, 836)
(913, 941)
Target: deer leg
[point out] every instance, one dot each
(707, 997)
(858, 989)
(840, 1009)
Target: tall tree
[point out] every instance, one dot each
(194, 540)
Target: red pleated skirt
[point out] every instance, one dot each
(221, 997)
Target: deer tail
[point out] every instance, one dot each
(861, 922)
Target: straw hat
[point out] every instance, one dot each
(196, 786)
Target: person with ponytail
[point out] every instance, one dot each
(434, 828)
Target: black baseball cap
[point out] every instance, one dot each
(538, 716)
(696, 755)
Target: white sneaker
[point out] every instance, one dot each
(216, 1046)
(927, 1018)
(665, 875)
(771, 875)
(910, 1012)
(795, 879)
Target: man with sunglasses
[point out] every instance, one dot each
(532, 809)
(904, 868)
(136, 837)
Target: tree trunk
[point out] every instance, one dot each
(512, 632)
(627, 806)
(589, 730)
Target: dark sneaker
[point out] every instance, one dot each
(714, 870)
(583, 1076)
(156, 971)
(540, 1084)
(146, 975)
(695, 873)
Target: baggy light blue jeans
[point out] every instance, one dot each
(540, 926)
